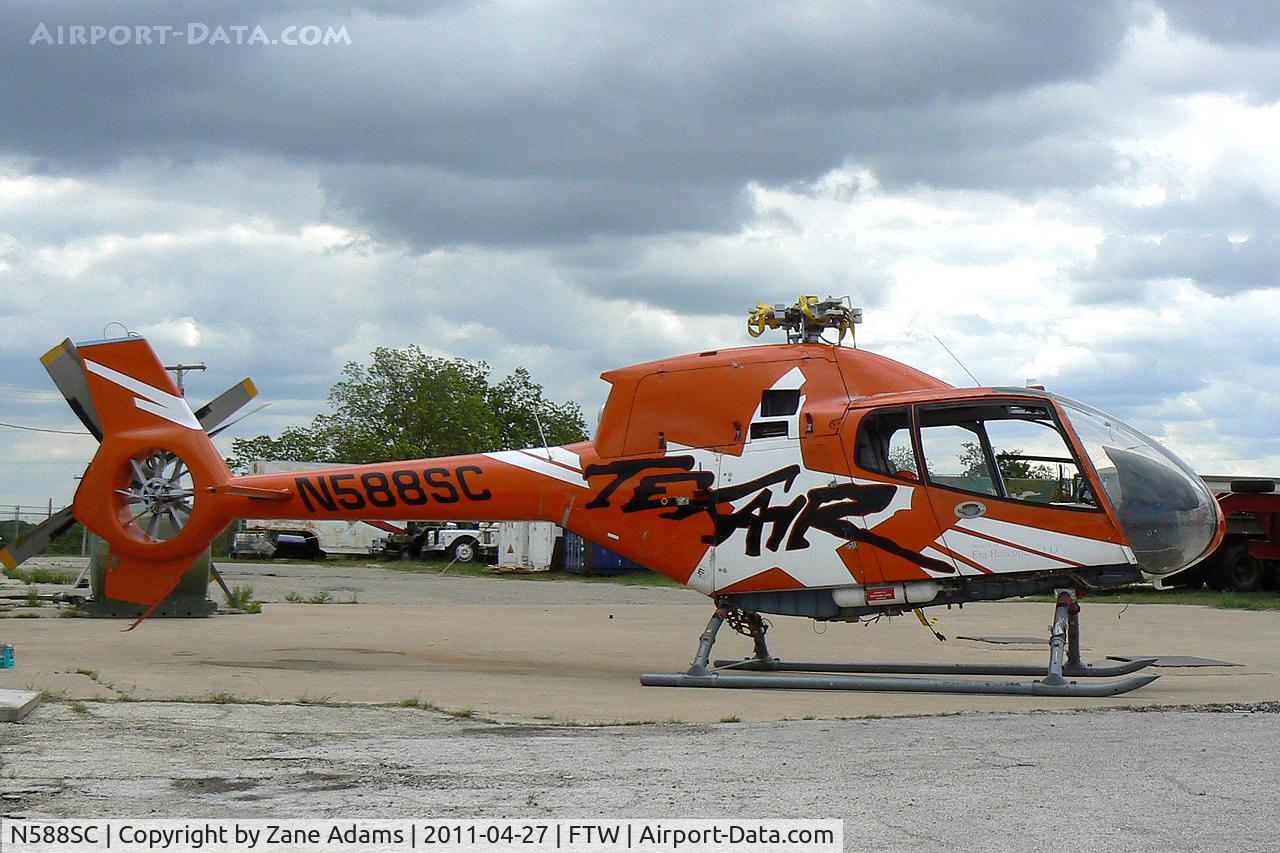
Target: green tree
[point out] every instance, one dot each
(1011, 468)
(406, 404)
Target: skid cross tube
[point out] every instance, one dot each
(763, 671)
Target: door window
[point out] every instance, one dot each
(1009, 450)
(884, 444)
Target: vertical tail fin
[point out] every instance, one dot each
(149, 490)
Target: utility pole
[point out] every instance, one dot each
(181, 370)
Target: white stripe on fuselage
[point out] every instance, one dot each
(1076, 549)
(564, 465)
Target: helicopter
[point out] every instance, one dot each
(810, 479)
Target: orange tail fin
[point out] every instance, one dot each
(143, 490)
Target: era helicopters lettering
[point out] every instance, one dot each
(801, 479)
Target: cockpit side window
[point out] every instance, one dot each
(954, 456)
(884, 444)
(1015, 451)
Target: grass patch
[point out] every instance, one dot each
(25, 616)
(308, 699)
(461, 713)
(321, 597)
(90, 673)
(293, 597)
(40, 576)
(79, 707)
(1225, 600)
(241, 598)
(33, 596)
(222, 698)
(732, 718)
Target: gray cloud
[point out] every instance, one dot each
(1251, 22)
(447, 124)
(1215, 263)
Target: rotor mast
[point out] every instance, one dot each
(807, 319)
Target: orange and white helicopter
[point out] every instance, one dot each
(803, 479)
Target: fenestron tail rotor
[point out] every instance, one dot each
(155, 493)
(160, 496)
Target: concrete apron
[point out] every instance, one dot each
(581, 662)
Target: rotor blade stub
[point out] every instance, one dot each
(67, 372)
(214, 413)
(37, 538)
(230, 424)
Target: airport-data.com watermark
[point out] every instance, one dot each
(195, 34)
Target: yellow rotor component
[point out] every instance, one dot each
(806, 304)
(759, 319)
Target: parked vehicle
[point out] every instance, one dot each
(460, 543)
(1249, 557)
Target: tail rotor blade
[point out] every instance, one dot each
(67, 371)
(216, 411)
(37, 539)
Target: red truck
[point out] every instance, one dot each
(1249, 557)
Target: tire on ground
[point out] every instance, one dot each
(465, 550)
(1238, 570)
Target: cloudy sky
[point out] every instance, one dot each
(1083, 194)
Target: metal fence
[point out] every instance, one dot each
(29, 514)
(14, 519)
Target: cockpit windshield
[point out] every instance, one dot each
(1168, 514)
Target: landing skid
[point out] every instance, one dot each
(763, 671)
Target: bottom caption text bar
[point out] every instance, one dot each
(527, 836)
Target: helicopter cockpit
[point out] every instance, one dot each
(1008, 452)
(1168, 514)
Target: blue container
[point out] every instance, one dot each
(6, 656)
(583, 557)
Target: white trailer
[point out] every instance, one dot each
(527, 545)
(311, 538)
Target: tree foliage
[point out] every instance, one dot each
(1011, 467)
(406, 404)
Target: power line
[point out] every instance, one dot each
(42, 429)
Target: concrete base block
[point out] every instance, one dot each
(16, 704)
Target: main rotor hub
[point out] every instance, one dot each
(806, 320)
